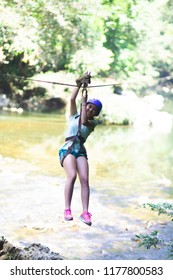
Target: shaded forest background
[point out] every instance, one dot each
(122, 40)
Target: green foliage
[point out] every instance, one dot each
(161, 208)
(152, 240)
(108, 37)
(44, 35)
(148, 240)
(121, 36)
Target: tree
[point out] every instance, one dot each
(111, 37)
(121, 36)
(41, 36)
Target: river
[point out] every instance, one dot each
(128, 167)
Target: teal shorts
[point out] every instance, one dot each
(76, 154)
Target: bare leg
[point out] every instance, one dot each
(83, 172)
(71, 172)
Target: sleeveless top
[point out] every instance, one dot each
(72, 130)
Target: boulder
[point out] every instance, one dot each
(31, 252)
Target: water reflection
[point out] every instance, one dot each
(124, 156)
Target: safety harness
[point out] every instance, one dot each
(78, 134)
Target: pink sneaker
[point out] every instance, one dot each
(67, 215)
(86, 218)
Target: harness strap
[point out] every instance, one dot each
(73, 138)
(70, 138)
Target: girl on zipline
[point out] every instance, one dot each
(73, 155)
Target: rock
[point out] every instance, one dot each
(31, 252)
(4, 101)
(53, 104)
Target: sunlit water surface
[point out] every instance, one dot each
(128, 167)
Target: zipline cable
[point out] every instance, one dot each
(60, 83)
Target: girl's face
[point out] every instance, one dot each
(91, 110)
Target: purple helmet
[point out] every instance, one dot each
(97, 103)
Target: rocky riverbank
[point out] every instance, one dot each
(124, 109)
(30, 252)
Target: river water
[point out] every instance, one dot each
(128, 167)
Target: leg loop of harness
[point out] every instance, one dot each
(72, 138)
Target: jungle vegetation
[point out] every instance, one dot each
(119, 39)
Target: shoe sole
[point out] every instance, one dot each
(85, 222)
(68, 219)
